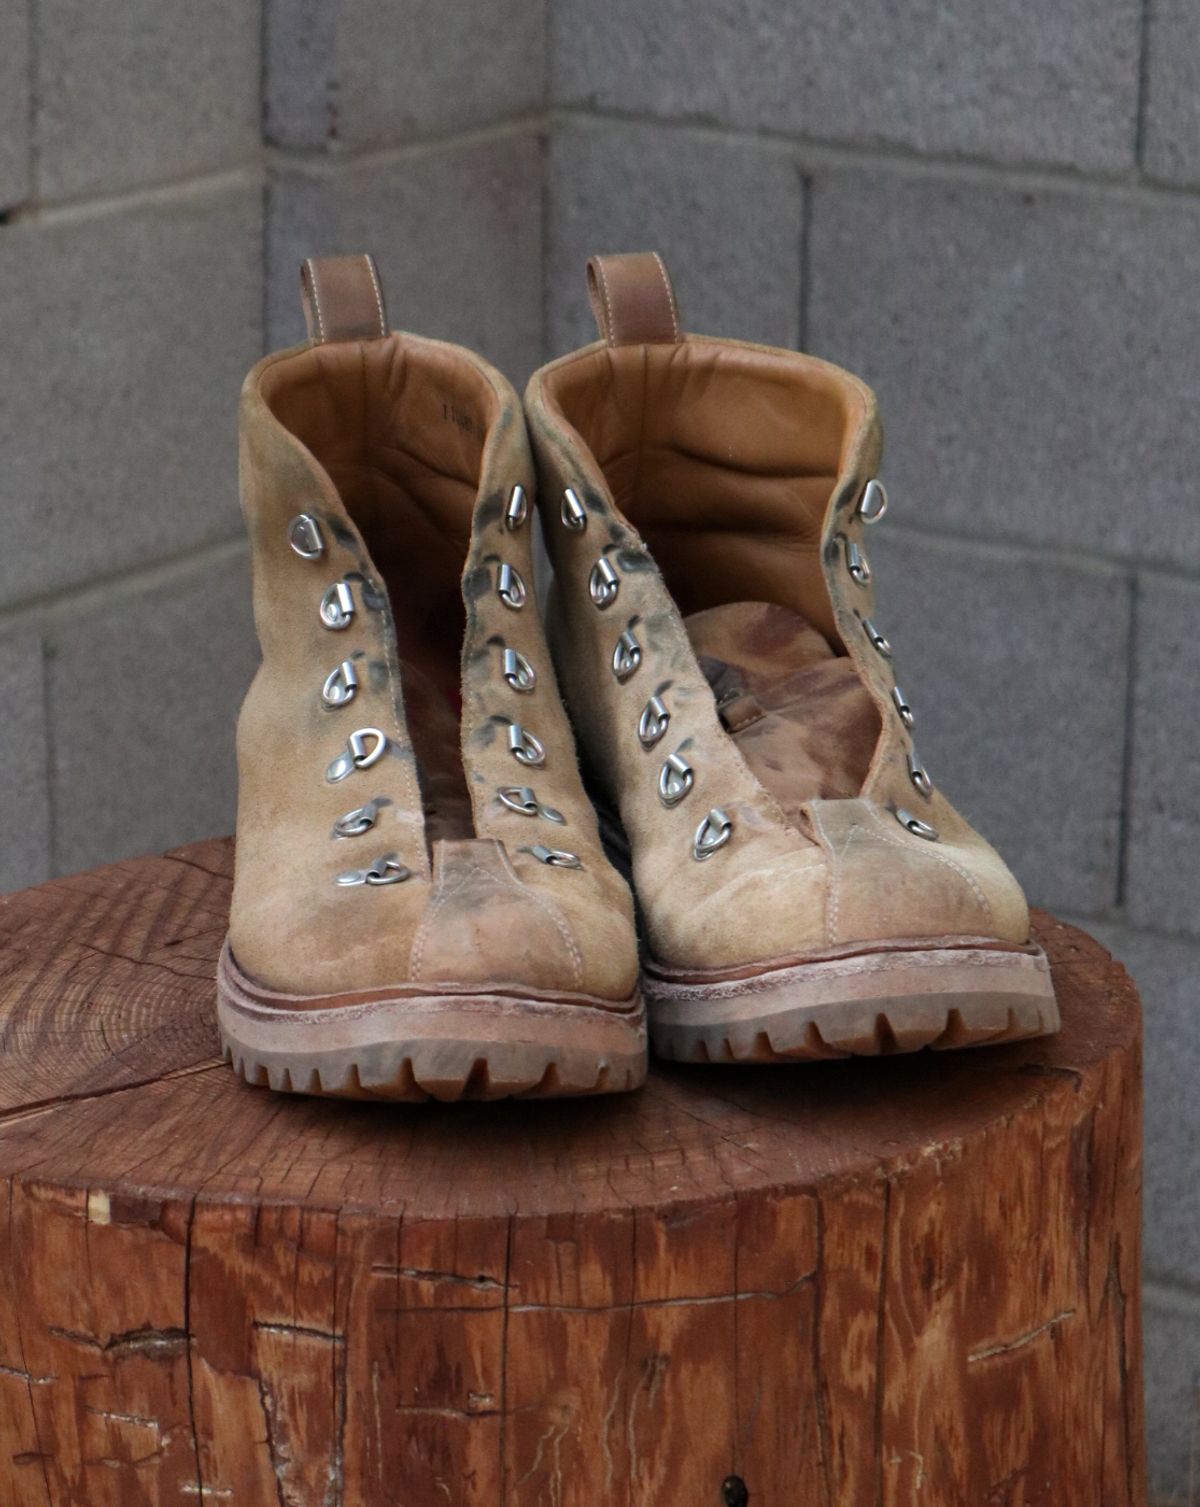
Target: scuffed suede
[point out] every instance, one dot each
(416, 446)
(721, 482)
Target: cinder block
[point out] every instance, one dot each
(144, 691)
(299, 73)
(727, 217)
(982, 77)
(1034, 352)
(1016, 668)
(1172, 113)
(1163, 862)
(361, 74)
(1172, 1332)
(456, 231)
(14, 104)
(126, 338)
(24, 801)
(135, 92)
(1167, 973)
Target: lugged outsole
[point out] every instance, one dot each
(871, 1004)
(409, 1047)
(408, 1086)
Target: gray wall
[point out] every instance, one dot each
(989, 208)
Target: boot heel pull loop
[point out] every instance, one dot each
(342, 298)
(633, 300)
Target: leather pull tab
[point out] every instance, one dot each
(342, 298)
(632, 299)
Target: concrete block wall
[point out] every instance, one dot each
(989, 209)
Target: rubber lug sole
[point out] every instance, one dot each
(409, 1047)
(870, 1005)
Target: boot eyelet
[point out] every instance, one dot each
(358, 821)
(903, 710)
(305, 537)
(713, 833)
(919, 776)
(337, 607)
(341, 685)
(915, 825)
(675, 780)
(574, 514)
(364, 748)
(518, 672)
(653, 722)
(517, 510)
(603, 584)
(521, 799)
(878, 642)
(511, 588)
(626, 656)
(525, 748)
(385, 870)
(556, 858)
(874, 502)
(856, 564)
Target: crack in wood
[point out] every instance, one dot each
(881, 1338)
(297, 1331)
(33, 1381)
(37, 1107)
(1006, 1347)
(481, 1283)
(277, 1453)
(188, 1239)
(147, 1340)
(133, 1419)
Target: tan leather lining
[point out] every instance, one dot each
(723, 457)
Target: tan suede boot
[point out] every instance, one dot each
(805, 891)
(422, 904)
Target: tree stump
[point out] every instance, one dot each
(882, 1282)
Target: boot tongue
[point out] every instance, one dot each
(801, 717)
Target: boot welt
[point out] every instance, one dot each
(415, 1042)
(870, 1004)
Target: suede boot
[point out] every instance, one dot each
(804, 889)
(422, 903)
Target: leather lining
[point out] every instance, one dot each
(723, 457)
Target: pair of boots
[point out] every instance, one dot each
(431, 899)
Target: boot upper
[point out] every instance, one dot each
(705, 504)
(410, 806)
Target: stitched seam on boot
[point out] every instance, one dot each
(445, 893)
(932, 852)
(662, 272)
(608, 332)
(370, 261)
(553, 911)
(832, 896)
(882, 961)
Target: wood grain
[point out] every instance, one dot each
(911, 1280)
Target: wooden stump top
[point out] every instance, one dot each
(881, 1281)
(110, 1080)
